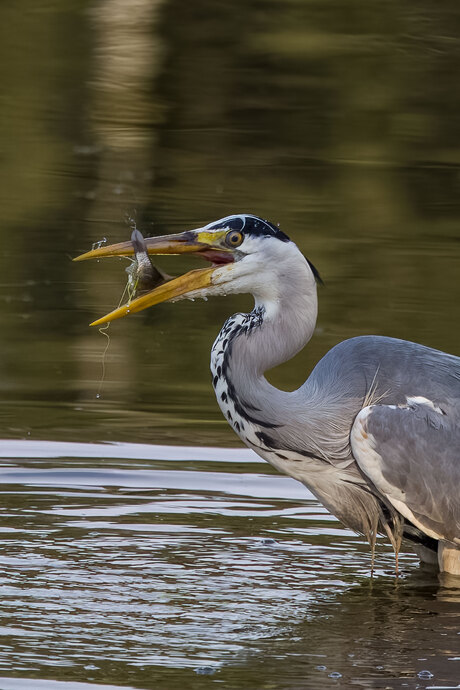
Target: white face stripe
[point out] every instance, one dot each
(222, 221)
(243, 217)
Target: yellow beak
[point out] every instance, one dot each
(180, 243)
(192, 241)
(193, 280)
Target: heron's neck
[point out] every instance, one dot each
(304, 433)
(250, 344)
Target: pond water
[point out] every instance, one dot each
(147, 566)
(142, 546)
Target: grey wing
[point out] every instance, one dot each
(411, 453)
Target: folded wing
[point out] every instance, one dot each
(411, 453)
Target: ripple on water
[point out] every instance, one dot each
(37, 684)
(190, 569)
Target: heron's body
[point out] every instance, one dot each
(374, 432)
(348, 379)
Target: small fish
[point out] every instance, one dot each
(143, 275)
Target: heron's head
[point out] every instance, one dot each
(247, 255)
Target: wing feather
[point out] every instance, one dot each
(411, 453)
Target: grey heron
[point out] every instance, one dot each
(374, 432)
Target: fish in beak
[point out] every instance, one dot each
(143, 274)
(210, 245)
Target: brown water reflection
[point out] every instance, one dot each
(340, 122)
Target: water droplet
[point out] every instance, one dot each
(99, 243)
(425, 675)
(335, 674)
(205, 670)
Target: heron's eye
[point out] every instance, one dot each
(233, 238)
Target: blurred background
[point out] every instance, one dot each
(337, 120)
(156, 567)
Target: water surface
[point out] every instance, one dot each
(115, 569)
(142, 547)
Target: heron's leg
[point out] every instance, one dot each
(449, 558)
(395, 537)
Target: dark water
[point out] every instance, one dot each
(151, 566)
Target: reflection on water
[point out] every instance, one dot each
(115, 569)
(149, 567)
(339, 124)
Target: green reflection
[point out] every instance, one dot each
(339, 122)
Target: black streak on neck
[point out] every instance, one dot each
(251, 322)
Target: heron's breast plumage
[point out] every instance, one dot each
(240, 414)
